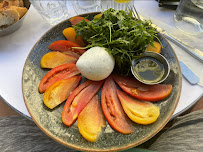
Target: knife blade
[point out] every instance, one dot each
(189, 74)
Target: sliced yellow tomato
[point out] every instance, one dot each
(91, 120)
(54, 59)
(141, 112)
(98, 16)
(59, 91)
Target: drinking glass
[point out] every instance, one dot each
(86, 6)
(120, 4)
(53, 11)
(189, 16)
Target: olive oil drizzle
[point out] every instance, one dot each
(149, 69)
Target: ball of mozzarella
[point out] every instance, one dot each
(96, 64)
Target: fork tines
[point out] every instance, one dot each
(134, 12)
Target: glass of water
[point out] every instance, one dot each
(189, 16)
(120, 4)
(86, 6)
(53, 11)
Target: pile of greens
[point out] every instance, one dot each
(124, 37)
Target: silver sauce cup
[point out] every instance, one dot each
(150, 68)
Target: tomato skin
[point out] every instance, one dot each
(78, 99)
(77, 19)
(65, 46)
(142, 91)
(58, 73)
(113, 110)
(59, 91)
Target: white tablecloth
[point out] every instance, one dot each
(14, 49)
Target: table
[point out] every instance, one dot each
(14, 49)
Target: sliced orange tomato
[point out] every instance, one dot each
(141, 112)
(60, 91)
(91, 120)
(58, 73)
(156, 48)
(54, 59)
(113, 110)
(78, 99)
(65, 46)
(98, 16)
(77, 19)
(143, 91)
(71, 35)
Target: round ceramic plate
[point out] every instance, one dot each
(50, 120)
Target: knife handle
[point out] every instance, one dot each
(188, 74)
(191, 50)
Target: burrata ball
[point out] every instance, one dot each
(96, 64)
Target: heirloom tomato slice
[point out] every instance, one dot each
(156, 48)
(58, 73)
(77, 19)
(60, 91)
(143, 91)
(54, 59)
(91, 120)
(141, 112)
(72, 35)
(65, 46)
(113, 110)
(78, 99)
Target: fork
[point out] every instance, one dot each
(134, 12)
(191, 50)
(187, 73)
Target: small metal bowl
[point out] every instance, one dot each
(150, 68)
(17, 25)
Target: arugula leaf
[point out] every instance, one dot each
(122, 36)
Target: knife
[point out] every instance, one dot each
(188, 74)
(191, 50)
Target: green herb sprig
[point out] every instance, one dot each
(122, 36)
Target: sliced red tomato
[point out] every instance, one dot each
(143, 91)
(78, 99)
(66, 47)
(60, 91)
(58, 73)
(113, 110)
(77, 19)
